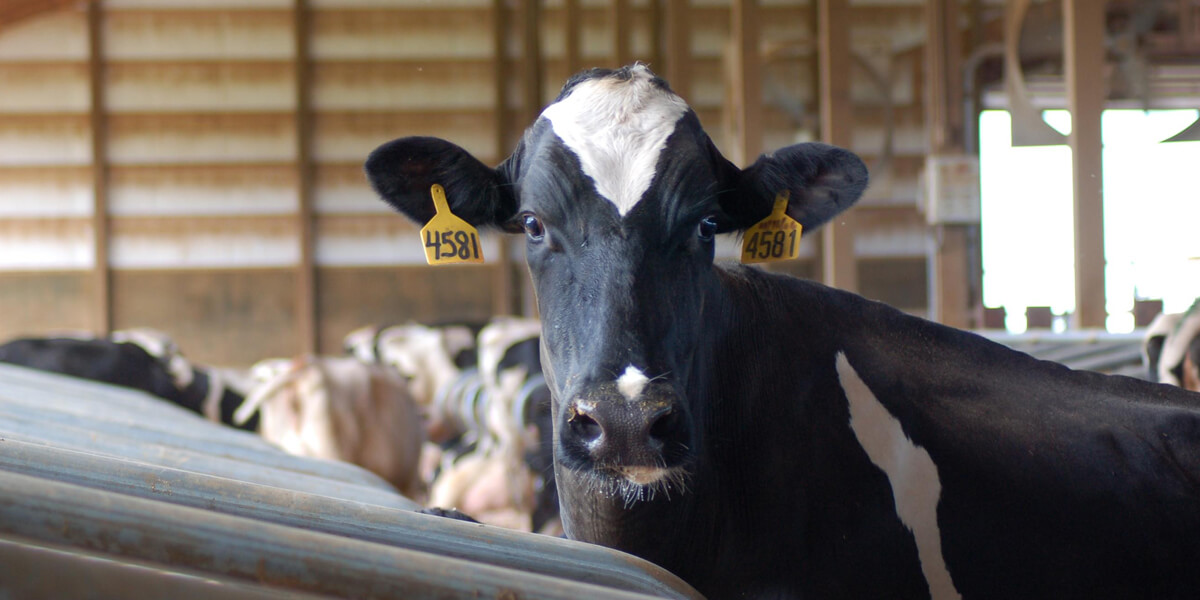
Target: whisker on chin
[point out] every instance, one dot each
(607, 483)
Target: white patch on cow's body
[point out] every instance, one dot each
(618, 129)
(632, 382)
(1186, 328)
(910, 470)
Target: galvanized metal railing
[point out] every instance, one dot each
(140, 496)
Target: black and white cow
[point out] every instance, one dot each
(1153, 341)
(1176, 337)
(765, 436)
(135, 361)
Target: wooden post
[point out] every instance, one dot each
(654, 55)
(943, 80)
(1083, 35)
(531, 60)
(622, 25)
(306, 284)
(949, 265)
(573, 30)
(531, 107)
(102, 320)
(501, 76)
(746, 83)
(503, 303)
(839, 267)
(678, 46)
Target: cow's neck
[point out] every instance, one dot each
(784, 429)
(730, 379)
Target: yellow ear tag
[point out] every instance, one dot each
(776, 237)
(449, 239)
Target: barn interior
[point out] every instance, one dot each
(195, 167)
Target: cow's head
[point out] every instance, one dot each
(619, 193)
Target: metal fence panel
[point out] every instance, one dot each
(30, 570)
(115, 487)
(239, 548)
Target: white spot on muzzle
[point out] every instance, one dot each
(618, 129)
(910, 471)
(632, 382)
(644, 475)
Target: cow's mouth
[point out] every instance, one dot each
(634, 484)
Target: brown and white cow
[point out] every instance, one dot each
(427, 358)
(765, 436)
(340, 408)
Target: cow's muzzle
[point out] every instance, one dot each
(635, 443)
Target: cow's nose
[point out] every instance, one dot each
(627, 433)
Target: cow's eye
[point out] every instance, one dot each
(707, 229)
(533, 227)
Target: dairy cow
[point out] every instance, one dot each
(139, 359)
(340, 408)
(1171, 348)
(1154, 340)
(765, 436)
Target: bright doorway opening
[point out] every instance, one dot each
(1151, 216)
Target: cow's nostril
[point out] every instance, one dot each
(665, 427)
(584, 426)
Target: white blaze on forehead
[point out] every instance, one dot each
(910, 470)
(631, 382)
(617, 128)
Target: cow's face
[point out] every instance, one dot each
(619, 193)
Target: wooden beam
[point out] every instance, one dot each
(12, 11)
(621, 18)
(839, 267)
(503, 301)
(746, 83)
(943, 76)
(531, 100)
(501, 76)
(101, 274)
(573, 26)
(1083, 37)
(950, 277)
(657, 36)
(531, 60)
(677, 48)
(306, 276)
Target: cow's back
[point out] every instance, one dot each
(1052, 481)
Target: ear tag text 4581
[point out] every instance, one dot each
(776, 237)
(449, 239)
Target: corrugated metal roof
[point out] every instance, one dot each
(108, 492)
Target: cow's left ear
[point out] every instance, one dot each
(822, 180)
(402, 172)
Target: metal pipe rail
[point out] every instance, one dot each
(77, 413)
(399, 528)
(32, 570)
(238, 548)
(122, 490)
(26, 426)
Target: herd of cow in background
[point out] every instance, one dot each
(453, 416)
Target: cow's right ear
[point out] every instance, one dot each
(402, 172)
